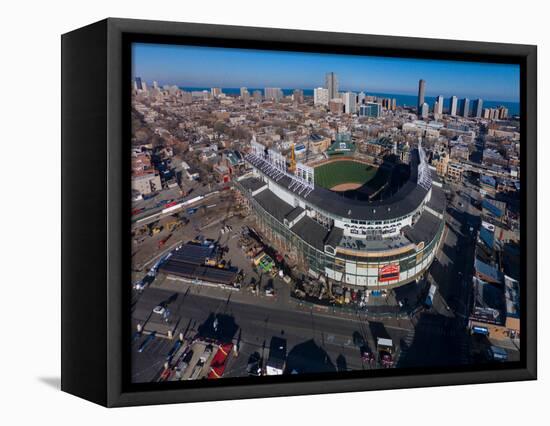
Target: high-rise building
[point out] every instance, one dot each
(370, 109)
(138, 83)
(336, 106)
(320, 96)
(421, 94)
(298, 96)
(502, 113)
(464, 107)
(439, 102)
(436, 109)
(257, 95)
(331, 83)
(215, 92)
(273, 93)
(155, 85)
(350, 103)
(424, 110)
(245, 95)
(361, 98)
(477, 107)
(453, 105)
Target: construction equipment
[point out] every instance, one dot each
(292, 159)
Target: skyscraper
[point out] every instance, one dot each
(421, 94)
(273, 93)
(350, 103)
(320, 96)
(138, 84)
(215, 92)
(331, 83)
(298, 96)
(464, 107)
(257, 95)
(425, 110)
(453, 105)
(477, 107)
(502, 113)
(439, 101)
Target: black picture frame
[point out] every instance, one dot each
(96, 206)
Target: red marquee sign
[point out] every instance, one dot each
(388, 272)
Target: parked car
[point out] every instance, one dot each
(159, 310)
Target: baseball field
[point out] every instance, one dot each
(343, 175)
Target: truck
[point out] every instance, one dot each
(276, 362)
(385, 350)
(495, 353)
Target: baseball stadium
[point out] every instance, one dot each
(366, 225)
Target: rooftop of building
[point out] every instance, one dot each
(425, 228)
(488, 302)
(252, 183)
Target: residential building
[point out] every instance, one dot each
(336, 106)
(477, 108)
(425, 110)
(320, 96)
(455, 172)
(273, 94)
(453, 105)
(464, 107)
(370, 109)
(146, 183)
(350, 103)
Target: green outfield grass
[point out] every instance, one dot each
(338, 172)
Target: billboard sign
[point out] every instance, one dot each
(389, 272)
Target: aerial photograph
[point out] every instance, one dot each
(300, 213)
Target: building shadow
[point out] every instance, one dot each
(308, 357)
(437, 341)
(219, 327)
(341, 363)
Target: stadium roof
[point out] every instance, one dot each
(311, 232)
(297, 211)
(252, 183)
(273, 204)
(405, 200)
(425, 229)
(437, 200)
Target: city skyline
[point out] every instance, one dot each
(193, 66)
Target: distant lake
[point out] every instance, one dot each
(401, 100)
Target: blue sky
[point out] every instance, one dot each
(193, 66)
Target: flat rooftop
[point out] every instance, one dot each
(425, 229)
